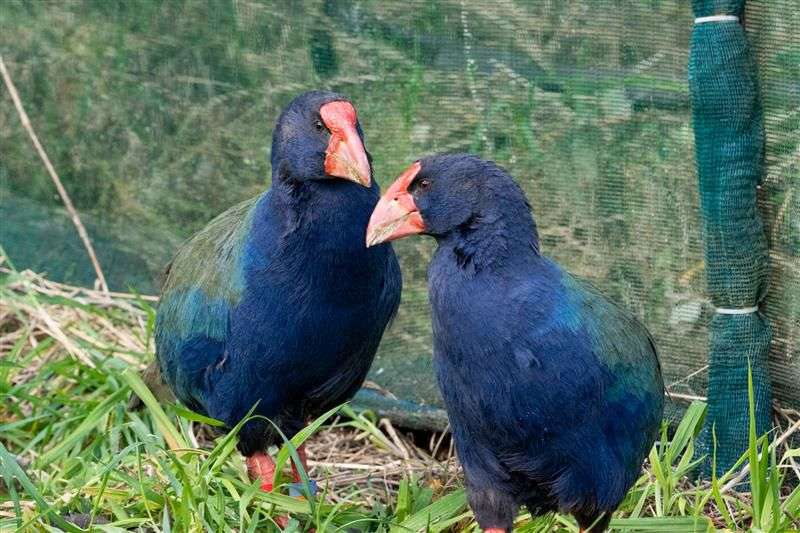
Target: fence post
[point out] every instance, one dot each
(729, 145)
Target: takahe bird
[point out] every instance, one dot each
(554, 393)
(278, 302)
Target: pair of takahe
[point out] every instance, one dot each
(553, 392)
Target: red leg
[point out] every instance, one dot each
(301, 452)
(261, 466)
(494, 530)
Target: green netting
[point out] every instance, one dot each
(729, 140)
(157, 116)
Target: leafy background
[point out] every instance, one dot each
(157, 117)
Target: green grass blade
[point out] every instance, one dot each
(11, 471)
(440, 510)
(90, 423)
(688, 428)
(661, 524)
(188, 414)
(791, 505)
(301, 436)
(755, 471)
(226, 446)
(171, 435)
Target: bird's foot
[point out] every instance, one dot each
(297, 489)
(281, 521)
(260, 466)
(494, 530)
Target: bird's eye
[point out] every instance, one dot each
(319, 125)
(423, 184)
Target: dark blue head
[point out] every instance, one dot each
(318, 137)
(452, 195)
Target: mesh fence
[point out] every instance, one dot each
(728, 123)
(157, 117)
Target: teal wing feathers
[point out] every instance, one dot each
(205, 276)
(203, 283)
(619, 339)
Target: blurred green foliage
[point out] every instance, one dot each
(157, 115)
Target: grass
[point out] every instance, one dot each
(157, 116)
(72, 458)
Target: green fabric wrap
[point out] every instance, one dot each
(729, 138)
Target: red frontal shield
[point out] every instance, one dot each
(345, 156)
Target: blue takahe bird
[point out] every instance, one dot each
(554, 393)
(278, 303)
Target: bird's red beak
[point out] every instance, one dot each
(396, 215)
(345, 156)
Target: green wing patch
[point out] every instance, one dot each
(205, 278)
(209, 260)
